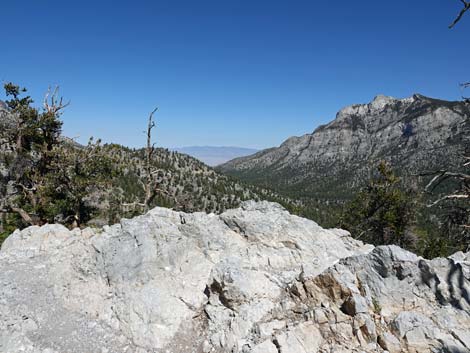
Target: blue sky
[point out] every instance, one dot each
(244, 73)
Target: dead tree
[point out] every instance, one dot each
(458, 199)
(439, 177)
(52, 103)
(456, 203)
(150, 184)
(463, 191)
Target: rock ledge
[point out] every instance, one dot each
(254, 279)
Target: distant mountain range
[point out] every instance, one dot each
(213, 155)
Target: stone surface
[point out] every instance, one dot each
(254, 279)
(389, 343)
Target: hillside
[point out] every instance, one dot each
(182, 182)
(251, 280)
(185, 182)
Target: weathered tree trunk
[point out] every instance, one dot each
(150, 187)
(24, 215)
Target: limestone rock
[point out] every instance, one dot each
(265, 347)
(389, 343)
(254, 279)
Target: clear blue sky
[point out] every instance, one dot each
(247, 73)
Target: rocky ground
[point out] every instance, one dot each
(254, 279)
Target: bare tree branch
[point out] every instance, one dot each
(449, 197)
(442, 175)
(464, 86)
(53, 104)
(466, 7)
(133, 204)
(467, 163)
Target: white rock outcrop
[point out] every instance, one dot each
(254, 279)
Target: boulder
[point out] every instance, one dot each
(254, 279)
(389, 343)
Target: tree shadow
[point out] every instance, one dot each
(456, 283)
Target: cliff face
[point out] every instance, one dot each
(414, 134)
(253, 279)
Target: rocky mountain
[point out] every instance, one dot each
(254, 279)
(414, 134)
(212, 155)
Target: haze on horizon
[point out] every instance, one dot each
(248, 74)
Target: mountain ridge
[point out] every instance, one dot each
(386, 128)
(325, 169)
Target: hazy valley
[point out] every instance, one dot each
(213, 156)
